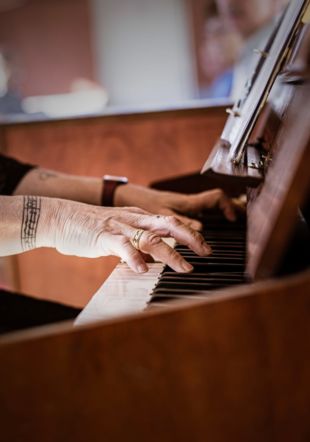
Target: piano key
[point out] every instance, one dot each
(224, 267)
(186, 281)
(227, 266)
(160, 299)
(215, 260)
(215, 253)
(232, 275)
(193, 285)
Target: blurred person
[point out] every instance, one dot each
(10, 101)
(88, 217)
(218, 53)
(255, 21)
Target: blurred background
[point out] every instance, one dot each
(75, 57)
(62, 59)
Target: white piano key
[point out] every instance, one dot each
(122, 293)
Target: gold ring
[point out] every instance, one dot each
(136, 238)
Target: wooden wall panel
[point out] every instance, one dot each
(48, 40)
(144, 146)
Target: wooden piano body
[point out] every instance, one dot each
(234, 366)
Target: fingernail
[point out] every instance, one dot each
(231, 216)
(196, 225)
(142, 268)
(207, 249)
(187, 267)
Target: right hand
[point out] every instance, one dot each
(91, 231)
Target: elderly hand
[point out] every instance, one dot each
(91, 231)
(172, 203)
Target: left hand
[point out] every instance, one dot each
(173, 203)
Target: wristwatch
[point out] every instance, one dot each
(110, 183)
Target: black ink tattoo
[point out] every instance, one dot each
(46, 175)
(31, 216)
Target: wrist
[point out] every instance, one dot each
(111, 185)
(48, 222)
(126, 196)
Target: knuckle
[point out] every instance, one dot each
(153, 239)
(172, 254)
(219, 193)
(173, 221)
(197, 237)
(109, 222)
(133, 255)
(123, 241)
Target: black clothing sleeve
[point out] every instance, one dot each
(20, 312)
(11, 173)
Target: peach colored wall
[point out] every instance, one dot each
(50, 44)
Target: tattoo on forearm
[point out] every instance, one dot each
(46, 175)
(31, 216)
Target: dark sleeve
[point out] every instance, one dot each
(11, 172)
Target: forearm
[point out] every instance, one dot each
(25, 223)
(59, 185)
(74, 228)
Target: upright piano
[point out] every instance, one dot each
(263, 151)
(221, 353)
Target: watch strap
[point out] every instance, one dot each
(110, 184)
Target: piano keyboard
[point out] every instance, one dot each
(225, 267)
(126, 292)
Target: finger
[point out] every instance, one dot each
(136, 210)
(118, 243)
(193, 223)
(130, 255)
(240, 202)
(226, 205)
(152, 244)
(213, 198)
(171, 226)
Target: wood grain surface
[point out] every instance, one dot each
(233, 367)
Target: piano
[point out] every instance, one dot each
(222, 353)
(252, 154)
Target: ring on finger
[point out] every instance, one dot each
(135, 240)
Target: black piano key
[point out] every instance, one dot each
(203, 275)
(215, 251)
(193, 285)
(179, 293)
(187, 289)
(187, 254)
(216, 230)
(219, 248)
(214, 260)
(187, 281)
(230, 236)
(216, 267)
(159, 299)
